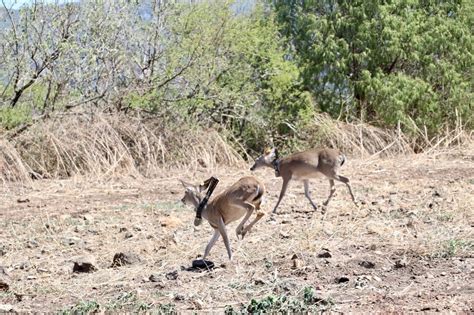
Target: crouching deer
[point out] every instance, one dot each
(303, 166)
(237, 201)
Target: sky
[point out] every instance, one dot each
(15, 4)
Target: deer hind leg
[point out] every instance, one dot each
(284, 186)
(346, 181)
(223, 231)
(259, 214)
(307, 194)
(211, 243)
(250, 208)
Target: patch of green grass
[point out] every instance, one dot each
(453, 247)
(268, 264)
(445, 217)
(166, 309)
(170, 205)
(83, 307)
(309, 302)
(127, 301)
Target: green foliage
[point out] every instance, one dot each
(83, 307)
(385, 62)
(453, 248)
(271, 303)
(14, 117)
(127, 301)
(239, 78)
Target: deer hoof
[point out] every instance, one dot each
(323, 209)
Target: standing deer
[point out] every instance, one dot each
(303, 166)
(240, 199)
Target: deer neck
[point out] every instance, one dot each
(205, 210)
(276, 167)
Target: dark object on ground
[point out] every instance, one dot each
(202, 264)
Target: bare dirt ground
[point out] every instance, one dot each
(409, 247)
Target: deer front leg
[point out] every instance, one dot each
(306, 193)
(211, 243)
(223, 232)
(284, 186)
(346, 181)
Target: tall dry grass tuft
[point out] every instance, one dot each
(357, 138)
(103, 145)
(12, 167)
(363, 139)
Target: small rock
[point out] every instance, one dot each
(259, 281)
(122, 259)
(171, 222)
(377, 278)
(32, 244)
(324, 254)
(297, 263)
(24, 265)
(362, 281)
(443, 274)
(31, 277)
(154, 278)
(401, 263)
(179, 297)
(88, 218)
(128, 235)
(342, 279)
(436, 194)
(367, 264)
(172, 275)
(6, 308)
(23, 200)
(198, 304)
(123, 229)
(296, 256)
(84, 264)
(4, 280)
(72, 241)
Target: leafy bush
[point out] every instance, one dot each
(13, 117)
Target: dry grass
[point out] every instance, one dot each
(12, 167)
(362, 139)
(415, 225)
(103, 146)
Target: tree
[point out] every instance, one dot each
(385, 61)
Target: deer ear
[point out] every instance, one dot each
(186, 185)
(204, 185)
(267, 151)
